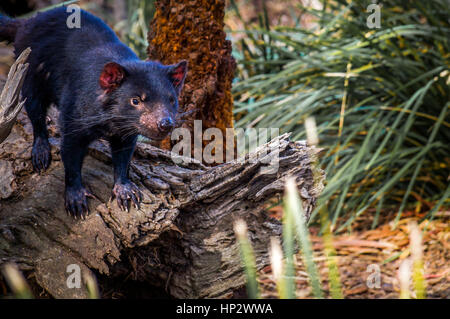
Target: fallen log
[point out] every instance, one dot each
(182, 236)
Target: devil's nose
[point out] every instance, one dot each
(166, 124)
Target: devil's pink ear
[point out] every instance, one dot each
(112, 76)
(177, 74)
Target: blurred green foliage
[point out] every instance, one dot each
(135, 28)
(380, 98)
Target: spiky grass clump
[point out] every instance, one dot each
(380, 98)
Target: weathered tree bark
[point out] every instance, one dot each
(10, 103)
(193, 31)
(182, 236)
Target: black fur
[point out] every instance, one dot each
(8, 28)
(93, 78)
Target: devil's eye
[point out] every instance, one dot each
(135, 101)
(172, 100)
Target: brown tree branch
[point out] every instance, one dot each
(10, 104)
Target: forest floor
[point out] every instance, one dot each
(382, 246)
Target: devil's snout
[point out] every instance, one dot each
(166, 125)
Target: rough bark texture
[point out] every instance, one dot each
(10, 103)
(193, 31)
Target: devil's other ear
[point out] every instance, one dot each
(177, 74)
(112, 76)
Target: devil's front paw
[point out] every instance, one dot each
(125, 194)
(41, 155)
(76, 202)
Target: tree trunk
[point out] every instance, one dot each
(193, 31)
(182, 236)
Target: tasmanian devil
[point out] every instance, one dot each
(101, 89)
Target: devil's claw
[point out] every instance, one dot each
(125, 194)
(76, 202)
(41, 155)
